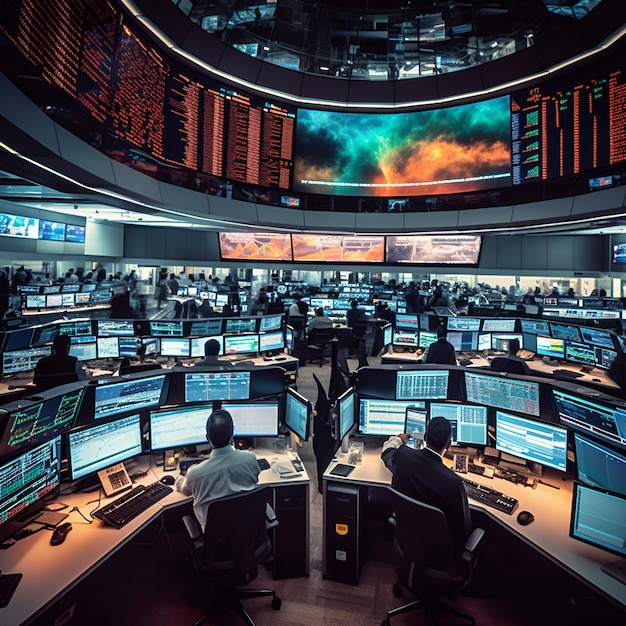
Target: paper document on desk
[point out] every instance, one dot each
(283, 468)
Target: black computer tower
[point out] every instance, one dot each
(290, 540)
(344, 507)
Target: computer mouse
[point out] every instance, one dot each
(60, 533)
(525, 517)
(168, 480)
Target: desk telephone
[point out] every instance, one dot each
(114, 479)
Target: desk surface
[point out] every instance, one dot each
(549, 533)
(50, 571)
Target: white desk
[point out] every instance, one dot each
(549, 533)
(50, 571)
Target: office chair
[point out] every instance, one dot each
(429, 565)
(50, 381)
(234, 543)
(318, 342)
(504, 364)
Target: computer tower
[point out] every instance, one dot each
(290, 539)
(344, 505)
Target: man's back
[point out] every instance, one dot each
(54, 370)
(441, 352)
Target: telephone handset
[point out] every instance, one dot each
(114, 479)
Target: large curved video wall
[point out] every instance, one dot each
(108, 83)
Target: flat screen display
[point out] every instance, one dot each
(18, 339)
(502, 393)
(254, 419)
(298, 412)
(228, 385)
(102, 445)
(535, 327)
(241, 325)
(205, 328)
(128, 395)
(421, 384)
(198, 343)
(446, 150)
(382, 417)
(75, 234)
(463, 341)
(599, 466)
(51, 231)
(272, 342)
(179, 427)
(597, 337)
(115, 328)
(534, 441)
(270, 322)
(498, 325)
(463, 323)
(346, 412)
(241, 344)
(469, 422)
(255, 246)
(108, 347)
(434, 250)
(175, 346)
(35, 301)
(23, 360)
(18, 226)
(338, 248)
(166, 328)
(408, 338)
(563, 331)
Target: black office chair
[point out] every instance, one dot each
(318, 343)
(429, 565)
(504, 364)
(234, 543)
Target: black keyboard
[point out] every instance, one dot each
(131, 504)
(8, 584)
(263, 464)
(567, 373)
(489, 496)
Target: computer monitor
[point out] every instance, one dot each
(583, 414)
(108, 347)
(534, 441)
(548, 346)
(54, 300)
(179, 427)
(68, 299)
(387, 334)
(205, 328)
(497, 325)
(502, 393)
(132, 394)
(272, 342)
(166, 328)
(84, 350)
(535, 327)
(221, 299)
(463, 323)
(101, 445)
(469, 422)
(597, 337)
(580, 353)
(407, 320)
(76, 327)
(599, 519)
(289, 337)
(50, 289)
(270, 322)
(175, 346)
(426, 338)
(35, 301)
(382, 417)
(415, 423)
(25, 481)
(70, 287)
(346, 415)
(128, 346)
(564, 331)
(23, 360)
(464, 341)
(484, 341)
(82, 297)
(18, 339)
(254, 419)
(241, 325)
(605, 357)
(226, 385)
(298, 413)
(421, 384)
(197, 345)
(115, 328)
(43, 335)
(403, 337)
(241, 344)
(500, 341)
(30, 425)
(599, 466)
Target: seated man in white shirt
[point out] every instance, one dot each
(227, 471)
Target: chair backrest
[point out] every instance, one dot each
(236, 537)
(423, 537)
(320, 337)
(297, 322)
(502, 364)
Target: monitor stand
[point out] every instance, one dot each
(616, 569)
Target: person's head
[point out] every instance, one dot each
(354, 303)
(61, 344)
(438, 434)
(219, 428)
(212, 347)
(442, 333)
(319, 311)
(513, 346)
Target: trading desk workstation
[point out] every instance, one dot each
(58, 446)
(555, 449)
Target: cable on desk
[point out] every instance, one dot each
(89, 519)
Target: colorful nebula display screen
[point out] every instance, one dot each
(338, 248)
(456, 149)
(260, 246)
(433, 250)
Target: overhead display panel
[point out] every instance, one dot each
(261, 246)
(451, 150)
(433, 250)
(338, 248)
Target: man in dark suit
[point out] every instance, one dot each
(59, 368)
(422, 475)
(441, 351)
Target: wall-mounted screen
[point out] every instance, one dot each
(531, 440)
(51, 231)
(255, 246)
(502, 393)
(445, 150)
(338, 248)
(18, 226)
(434, 250)
(75, 234)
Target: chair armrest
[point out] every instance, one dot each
(270, 517)
(471, 544)
(193, 527)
